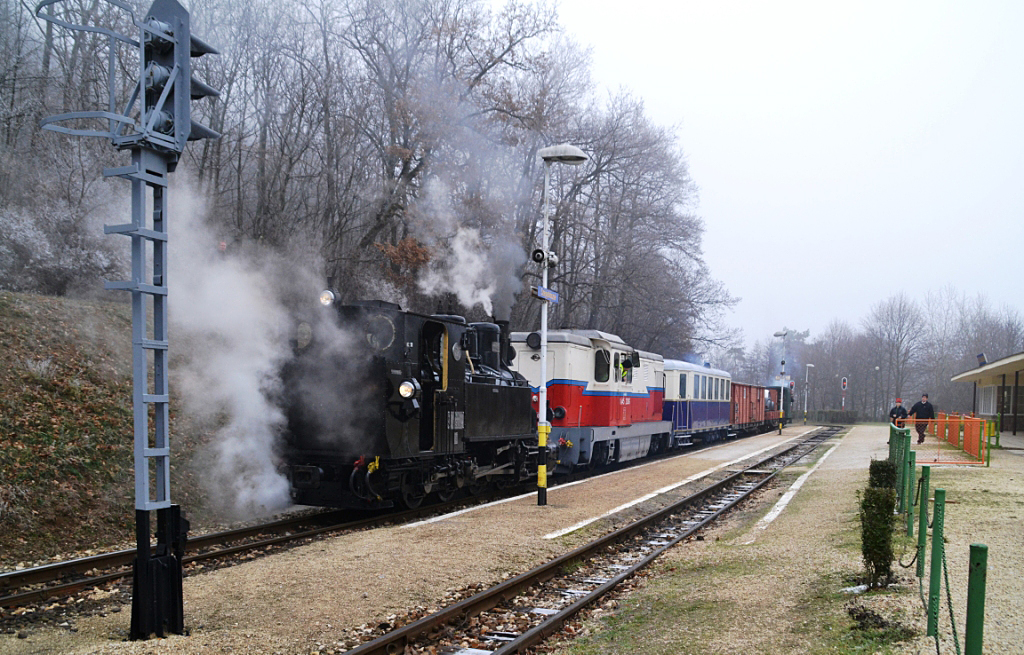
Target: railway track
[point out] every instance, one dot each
(58, 580)
(523, 611)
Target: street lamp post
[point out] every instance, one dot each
(807, 387)
(875, 410)
(782, 386)
(573, 156)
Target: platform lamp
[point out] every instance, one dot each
(573, 156)
(782, 390)
(807, 387)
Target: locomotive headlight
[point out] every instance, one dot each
(327, 298)
(408, 388)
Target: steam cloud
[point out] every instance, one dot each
(476, 269)
(230, 325)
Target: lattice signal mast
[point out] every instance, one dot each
(154, 125)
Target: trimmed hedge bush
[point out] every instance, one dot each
(876, 529)
(882, 474)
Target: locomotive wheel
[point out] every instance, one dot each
(477, 487)
(412, 492)
(446, 492)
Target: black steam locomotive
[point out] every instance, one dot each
(387, 406)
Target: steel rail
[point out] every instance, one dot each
(123, 558)
(48, 573)
(395, 642)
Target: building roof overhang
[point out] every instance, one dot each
(1004, 366)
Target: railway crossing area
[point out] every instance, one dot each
(312, 597)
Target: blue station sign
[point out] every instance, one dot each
(546, 294)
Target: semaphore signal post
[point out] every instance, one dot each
(154, 125)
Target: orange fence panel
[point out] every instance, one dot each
(974, 437)
(966, 434)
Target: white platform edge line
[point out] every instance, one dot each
(551, 490)
(782, 503)
(692, 478)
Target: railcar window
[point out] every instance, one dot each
(682, 385)
(618, 371)
(716, 388)
(601, 365)
(703, 387)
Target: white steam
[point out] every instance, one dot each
(229, 330)
(478, 270)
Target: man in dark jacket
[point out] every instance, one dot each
(923, 412)
(898, 413)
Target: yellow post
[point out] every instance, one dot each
(543, 430)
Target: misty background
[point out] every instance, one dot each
(752, 168)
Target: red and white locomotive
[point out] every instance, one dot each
(605, 399)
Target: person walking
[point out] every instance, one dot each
(922, 412)
(898, 413)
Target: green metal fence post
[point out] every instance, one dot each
(922, 525)
(902, 469)
(898, 463)
(935, 577)
(911, 482)
(976, 599)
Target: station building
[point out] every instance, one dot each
(997, 390)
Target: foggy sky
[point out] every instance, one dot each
(844, 151)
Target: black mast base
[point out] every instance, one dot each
(157, 602)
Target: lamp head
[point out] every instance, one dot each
(563, 154)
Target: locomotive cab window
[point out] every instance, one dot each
(682, 385)
(602, 365)
(623, 368)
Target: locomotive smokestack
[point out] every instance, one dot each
(505, 340)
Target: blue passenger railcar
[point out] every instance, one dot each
(696, 402)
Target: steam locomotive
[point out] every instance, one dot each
(386, 407)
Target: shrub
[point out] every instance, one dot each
(876, 529)
(882, 474)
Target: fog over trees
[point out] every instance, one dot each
(394, 141)
(903, 348)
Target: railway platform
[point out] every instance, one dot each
(309, 598)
